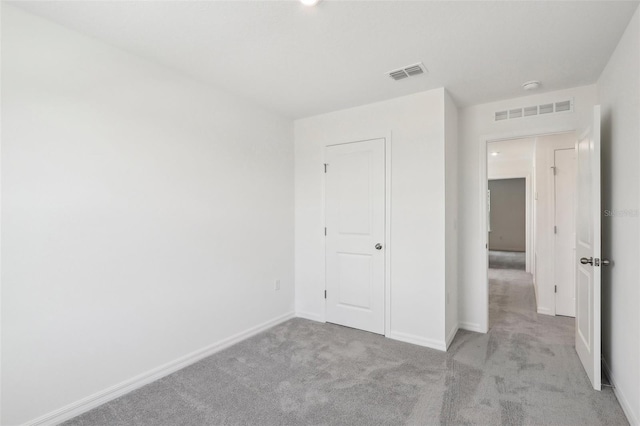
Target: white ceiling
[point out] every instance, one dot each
(303, 61)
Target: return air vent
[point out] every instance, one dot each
(546, 109)
(563, 106)
(502, 115)
(515, 113)
(408, 71)
(530, 111)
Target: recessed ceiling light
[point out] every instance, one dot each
(531, 85)
(309, 2)
(494, 153)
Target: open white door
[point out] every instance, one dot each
(355, 245)
(588, 255)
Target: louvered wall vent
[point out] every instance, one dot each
(408, 71)
(530, 111)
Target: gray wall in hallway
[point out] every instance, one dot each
(508, 215)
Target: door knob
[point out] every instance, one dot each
(378, 246)
(606, 262)
(584, 261)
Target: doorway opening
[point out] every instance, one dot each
(510, 167)
(586, 233)
(528, 216)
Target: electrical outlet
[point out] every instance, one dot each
(276, 285)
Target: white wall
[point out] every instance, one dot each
(544, 189)
(619, 89)
(417, 128)
(475, 125)
(513, 168)
(451, 216)
(145, 217)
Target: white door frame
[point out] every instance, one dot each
(528, 213)
(555, 209)
(483, 247)
(387, 222)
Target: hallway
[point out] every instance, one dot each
(533, 358)
(507, 260)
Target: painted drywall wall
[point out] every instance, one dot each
(476, 124)
(514, 158)
(451, 216)
(619, 89)
(508, 215)
(145, 217)
(544, 206)
(512, 168)
(415, 127)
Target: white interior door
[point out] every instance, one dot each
(355, 230)
(565, 231)
(588, 251)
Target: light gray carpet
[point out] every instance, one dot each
(507, 260)
(524, 371)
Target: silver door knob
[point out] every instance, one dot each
(378, 246)
(606, 262)
(585, 261)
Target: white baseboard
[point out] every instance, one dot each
(545, 311)
(310, 316)
(622, 399)
(417, 340)
(471, 326)
(76, 408)
(451, 336)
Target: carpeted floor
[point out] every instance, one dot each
(507, 260)
(524, 371)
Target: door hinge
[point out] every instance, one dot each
(325, 167)
(555, 288)
(325, 294)
(553, 169)
(555, 229)
(325, 231)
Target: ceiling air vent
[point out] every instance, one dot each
(408, 71)
(530, 111)
(398, 75)
(414, 70)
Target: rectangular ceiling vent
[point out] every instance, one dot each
(530, 111)
(408, 71)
